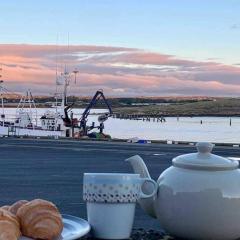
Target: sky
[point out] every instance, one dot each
(127, 48)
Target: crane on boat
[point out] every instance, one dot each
(79, 126)
(84, 129)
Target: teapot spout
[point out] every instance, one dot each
(139, 167)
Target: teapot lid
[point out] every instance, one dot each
(204, 160)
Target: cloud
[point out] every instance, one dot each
(119, 71)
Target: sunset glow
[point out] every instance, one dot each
(127, 49)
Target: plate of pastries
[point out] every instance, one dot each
(39, 219)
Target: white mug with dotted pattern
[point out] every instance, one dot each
(111, 200)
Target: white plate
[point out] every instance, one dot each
(234, 158)
(74, 228)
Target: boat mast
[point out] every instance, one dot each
(28, 105)
(66, 77)
(56, 77)
(1, 82)
(75, 75)
(2, 100)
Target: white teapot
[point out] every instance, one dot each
(198, 197)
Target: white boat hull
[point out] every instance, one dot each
(5, 131)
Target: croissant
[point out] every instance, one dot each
(9, 226)
(40, 219)
(14, 208)
(5, 207)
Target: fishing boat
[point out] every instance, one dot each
(25, 122)
(59, 121)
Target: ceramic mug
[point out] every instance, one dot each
(111, 200)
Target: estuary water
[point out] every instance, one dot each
(212, 129)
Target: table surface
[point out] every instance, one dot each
(53, 169)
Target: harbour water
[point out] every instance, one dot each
(212, 129)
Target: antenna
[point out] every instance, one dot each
(56, 55)
(68, 43)
(68, 53)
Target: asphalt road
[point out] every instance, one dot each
(53, 169)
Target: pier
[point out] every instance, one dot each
(138, 117)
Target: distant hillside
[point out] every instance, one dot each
(166, 106)
(11, 99)
(216, 107)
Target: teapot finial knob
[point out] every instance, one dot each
(204, 147)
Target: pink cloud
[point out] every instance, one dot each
(117, 70)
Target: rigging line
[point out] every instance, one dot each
(66, 61)
(10, 92)
(68, 51)
(56, 84)
(56, 54)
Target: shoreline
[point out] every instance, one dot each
(128, 116)
(133, 115)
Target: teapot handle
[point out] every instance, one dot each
(155, 188)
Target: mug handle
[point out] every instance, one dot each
(155, 185)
